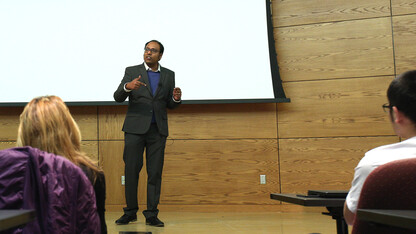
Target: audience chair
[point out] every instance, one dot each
(391, 186)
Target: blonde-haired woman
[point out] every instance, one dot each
(47, 124)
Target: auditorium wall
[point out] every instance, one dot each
(336, 60)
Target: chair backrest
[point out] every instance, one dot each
(58, 191)
(389, 186)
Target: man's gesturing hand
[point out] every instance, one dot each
(177, 94)
(135, 84)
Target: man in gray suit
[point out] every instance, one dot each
(151, 90)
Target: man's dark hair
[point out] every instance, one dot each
(162, 49)
(402, 94)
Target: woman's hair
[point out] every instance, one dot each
(47, 124)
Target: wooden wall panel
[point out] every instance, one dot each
(401, 7)
(323, 163)
(203, 172)
(343, 107)
(90, 148)
(110, 122)
(404, 40)
(220, 172)
(9, 122)
(86, 118)
(7, 144)
(297, 12)
(111, 160)
(223, 121)
(335, 50)
(193, 121)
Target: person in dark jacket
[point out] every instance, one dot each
(151, 90)
(58, 191)
(47, 124)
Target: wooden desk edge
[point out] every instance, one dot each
(24, 217)
(372, 215)
(308, 201)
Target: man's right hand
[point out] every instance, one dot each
(135, 84)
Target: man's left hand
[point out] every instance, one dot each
(177, 94)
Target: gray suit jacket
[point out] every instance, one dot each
(142, 103)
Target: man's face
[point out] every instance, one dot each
(152, 54)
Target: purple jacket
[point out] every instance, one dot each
(57, 189)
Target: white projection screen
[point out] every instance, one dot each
(222, 51)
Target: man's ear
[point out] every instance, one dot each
(398, 116)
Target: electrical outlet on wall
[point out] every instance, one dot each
(262, 179)
(123, 181)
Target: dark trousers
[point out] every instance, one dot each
(134, 145)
